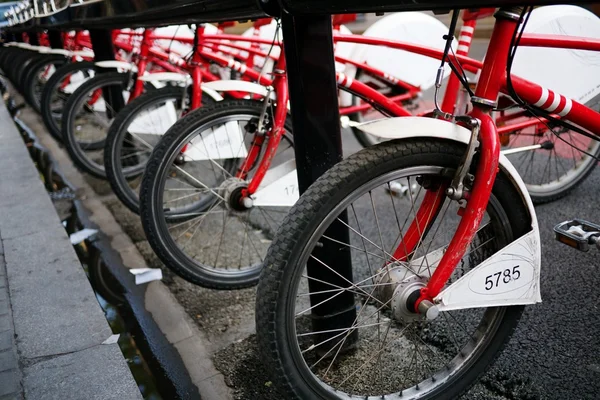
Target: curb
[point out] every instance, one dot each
(170, 317)
(58, 327)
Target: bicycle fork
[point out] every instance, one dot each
(487, 167)
(273, 136)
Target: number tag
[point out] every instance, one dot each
(281, 193)
(156, 122)
(279, 187)
(509, 277)
(222, 142)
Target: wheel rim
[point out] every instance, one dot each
(204, 232)
(355, 374)
(548, 172)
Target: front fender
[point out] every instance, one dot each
(122, 65)
(240, 86)
(466, 292)
(179, 79)
(413, 127)
(165, 77)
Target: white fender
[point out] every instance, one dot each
(165, 77)
(27, 46)
(179, 78)
(238, 86)
(471, 290)
(83, 53)
(67, 53)
(49, 50)
(212, 93)
(572, 73)
(117, 64)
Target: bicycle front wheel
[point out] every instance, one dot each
(88, 114)
(333, 257)
(189, 197)
(133, 135)
(36, 77)
(58, 89)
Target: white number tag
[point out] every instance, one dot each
(156, 122)
(224, 141)
(279, 187)
(509, 277)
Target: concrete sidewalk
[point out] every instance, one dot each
(52, 329)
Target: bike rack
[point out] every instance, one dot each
(308, 48)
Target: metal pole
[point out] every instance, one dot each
(33, 38)
(55, 39)
(104, 51)
(308, 46)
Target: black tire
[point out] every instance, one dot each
(52, 94)
(302, 229)
(118, 175)
(87, 155)
(16, 57)
(155, 218)
(5, 52)
(33, 83)
(23, 62)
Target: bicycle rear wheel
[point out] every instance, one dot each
(381, 349)
(552, 162)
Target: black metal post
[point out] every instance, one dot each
(308, 46)
(55, 39)
(34, 40)
(104, 51)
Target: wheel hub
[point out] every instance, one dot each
(397, 288)
(232, 191)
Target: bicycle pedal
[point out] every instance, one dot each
(578, 234)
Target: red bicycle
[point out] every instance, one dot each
(365, 294)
